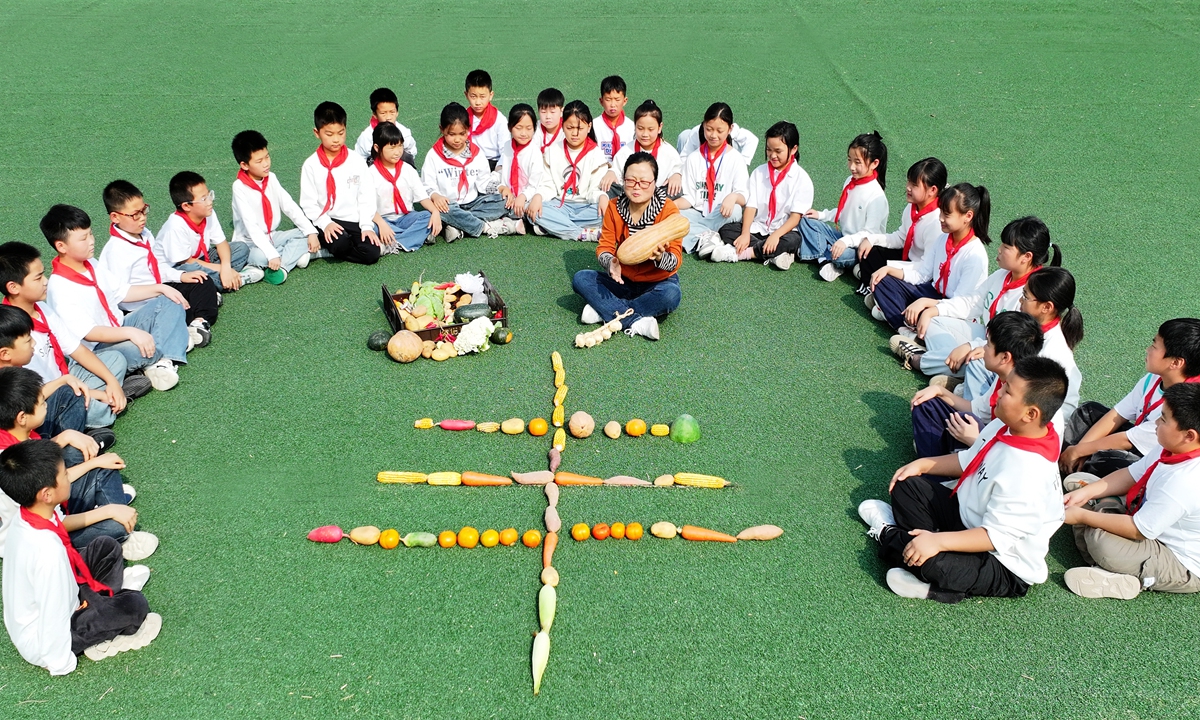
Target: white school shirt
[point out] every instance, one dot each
(43, 352)
(668, 160)
(1171, 511)
(744, 141)
(593, 166)
(79, 306)
(491, 140)
(1142, 435)
(131, 265)
(732, 178)
(366, 141)
(1054, 346)
(412, 190)
(353, 201)
(40, 595)
(179, 241)
(928, 229)
(604, 136)
(441, 177)
(794, 195)
(1016, 495)
(975, 306)
(530, 169)
(866, 210)
(249, 223)
(966, 272)
(540, 140)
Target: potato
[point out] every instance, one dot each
(613, 429)
(664, 481)
(664, 530)
(512, 426)
(427, 348)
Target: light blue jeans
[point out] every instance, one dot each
(977, 379)
(568, 221)
(290, 244)
(470, 217)
(943, 335)
(816, 242)
(99, 414)
(166, 322)
(238, 253)
(411, 229)
(700, 223)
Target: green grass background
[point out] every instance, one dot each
(1081, 113)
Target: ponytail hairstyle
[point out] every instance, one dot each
(452, 114)
(717, 111)
(518, 111)
(929, 172)
(872, 147)
(384, 134)
(786, 132)
(1030, 235)
(969, 198)
(649, 107)
(579, 109)
(1056, 285)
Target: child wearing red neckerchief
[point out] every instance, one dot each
(715, 182)
(573, 202)
(613, 130)
(487, 127)
(647, 137)
(548, 134)
(460, 181)
(385, 108)
(192, 238)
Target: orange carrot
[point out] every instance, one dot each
(478, 479)
(548, 546)
(567, 478)
(691, 532)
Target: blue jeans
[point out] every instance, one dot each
(165, 320)
(95, 489)
(893, 295)
(64, 411)
(609, 298)
(99, 414)
(470, 217)
(943, 336)
(568, 221)
(239, 252)
(816, 241)
(411, 229)
(290, 244)
(700, 223)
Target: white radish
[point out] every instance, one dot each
(541, 656)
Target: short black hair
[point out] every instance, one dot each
(1017, 334)
(27, 468)
(15, 259)
(60, 220)
(550, 98)
(119, 192)
(612, 83)
(383, 95)
(246, 143)
(478, 78)
(454, 113)
(181, 186)
(1181, 339)
(1184, 401)
(1045, 383)
(14, 323)
(328, 113)
(20, 388)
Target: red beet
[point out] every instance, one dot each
(327, 534)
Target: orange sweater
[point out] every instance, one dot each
(615, 231)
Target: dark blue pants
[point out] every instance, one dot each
(609, 298)
(64, 411)
(894, 295)
(930, 435)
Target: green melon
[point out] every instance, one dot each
(685, 429)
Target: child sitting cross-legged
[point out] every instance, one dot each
(398, 189)
(192, 238)
(989, 534)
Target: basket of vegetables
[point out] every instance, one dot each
(439, 311)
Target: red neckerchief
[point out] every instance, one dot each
(915, 216)
(1137, 494)
(514, 172)
(1050, 325)
(1010, 284)
(1148, 406)
(616, 140)
(547, 143)
(952, 248)
(7, 439)
(40, 325)
(330, 184)
(151, 261)
(1047, 446)
(653, 148)
(397, 201)
(572, 183)
(374, 122)
(57, 268)
(854, 182)
(268, 215)
(486, 120)
(783, 171)
(710, 173)
(995, 396)
(472, 150)
(83, 575)
(202, 247)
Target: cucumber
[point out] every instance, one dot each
(419, 539)
(378, 340)
(467, 313)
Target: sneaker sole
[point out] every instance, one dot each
(905, 584)
(145, 634)
(140, 549)
(1094, 582)
(161, 380)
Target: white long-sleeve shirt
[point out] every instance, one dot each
(592, 168)
(929, 227)
(130, 263)
(179, 242)
(1054, 346)
(1170, 512)
(491, 140)
(793, 195)
(1146, 394)
(40, 595)
(547, 141)
(249, 222)
(866, 210)
(668, 159)
(353, 201)
(975, 306)
(604, 135)
(412, 190)
(732, 178)
(967, 271)
(1016, 495)
(530, 170)
(744, 141)
(79, 305)
(43, 362)
(366, 140)
(441, 177)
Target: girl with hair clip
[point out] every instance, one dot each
(862, 207)
(956, 265)
(398, 189)
(647, 134)
(520, 168)
(573, 203)
(780, 193)
(715, 182)
(955, 329)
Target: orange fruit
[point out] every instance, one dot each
(489, 538)
(532, 538)
(600, 531)
(617, 531)
(580, 531)
(508, 536)
(635, 428)
(447, 539)
(468, 537)
(633, 531)
(389, 539)
(538, 427)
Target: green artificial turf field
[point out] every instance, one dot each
(1081, 113)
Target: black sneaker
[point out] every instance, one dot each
(104, 437)
(135, 386)
(908, 352)
(200, 333)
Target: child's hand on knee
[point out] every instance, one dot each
(838, 248)
(924, 545)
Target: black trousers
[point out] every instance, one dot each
(788, 244)
(99, 617)
(350, 246)
(877, 258)
(1106, 461)
(922, 503)
(201, 297)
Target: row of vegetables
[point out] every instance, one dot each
(544, 477)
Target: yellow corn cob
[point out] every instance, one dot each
(423, 424)
(487, 427)
(556, 361)
(400, 477)
(445, 478)
(697, 480)
(557, 417)
(660, 430)
(560, 378)
(560, 439)
(560, 395)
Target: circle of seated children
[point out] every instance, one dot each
(998, 426)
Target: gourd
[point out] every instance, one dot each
(378, 340)
(639, 247)
(581, 424)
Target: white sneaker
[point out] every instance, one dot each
(782, 261)
(877, 515)
(149, 630)
(451, 233)
(878, 314)
(128, 490)
(905, 584)
(706, 242)
(304, 260)
(869, 301)
(829, 273)
(191, 343)
(910, 335)
(1094, 582)
(200, 332)
(251, 274)
(723, 253)
(494, 228)
(139, 546)
(135, 577)
(322, 253)
(589, 316)
(589, 235)
(220, 299)
(162, 375)
(857, 272)
(647, 327)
